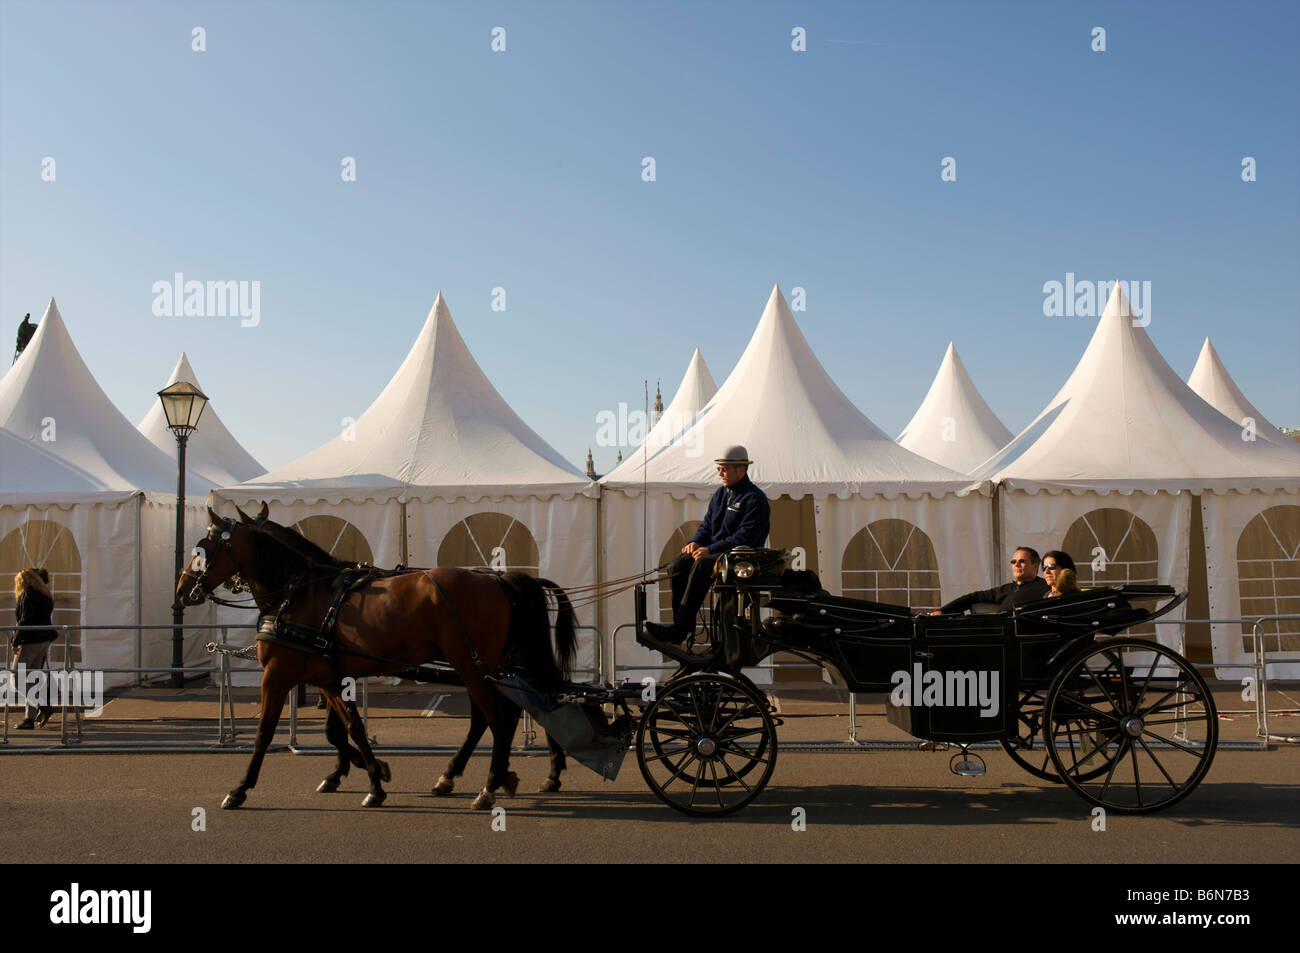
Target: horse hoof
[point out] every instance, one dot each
(550, 785)
(384, 771)
(444, 785)
(233, 801)
(374, 799)
(328, 786)
(483, 802)
(511, 783)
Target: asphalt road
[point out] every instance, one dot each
(878, 807)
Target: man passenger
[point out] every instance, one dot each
(1026, 586)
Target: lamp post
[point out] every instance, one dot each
(183, 404)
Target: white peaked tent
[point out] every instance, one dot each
(440, 445)
(86, 491)
(696, 389)
(1125, 433)
(211, 450)
(953, 425)
(1210, 380)
(831, 473)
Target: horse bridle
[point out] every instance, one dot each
(235, 584)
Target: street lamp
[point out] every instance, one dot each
(183, 405)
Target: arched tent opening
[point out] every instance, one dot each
(337, 537)
(1113, 547)
(892, 561)
(50, 545)
(1268, 565)
(494, 540)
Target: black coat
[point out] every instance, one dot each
(1007, 597)
(34, 608)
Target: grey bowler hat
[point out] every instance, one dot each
(736, 454)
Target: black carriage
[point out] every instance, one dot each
(1127, 723)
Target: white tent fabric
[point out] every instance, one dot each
(70, 457)
(211, 450)
(804, 435)
(439, 423)
(696, 389)
(49, 397)
(1125, 420)
(954, 426)
(1210, 379)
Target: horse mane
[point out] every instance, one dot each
(275, 562)
(305, 547)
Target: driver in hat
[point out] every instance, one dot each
(738, 515)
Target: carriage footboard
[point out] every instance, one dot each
(578, 728)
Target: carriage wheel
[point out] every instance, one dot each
(707, 745)
(1130, 725)
(1029, 722)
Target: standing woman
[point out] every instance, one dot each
(32, 648)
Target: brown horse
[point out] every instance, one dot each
(335, 730)
(477, 622)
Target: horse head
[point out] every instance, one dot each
(213, 561)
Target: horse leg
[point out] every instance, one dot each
(274, 694)
(499, 774)
(337, 734)
(446, 783)
(377, 769)
(558, 764)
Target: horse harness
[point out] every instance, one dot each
(279, 629)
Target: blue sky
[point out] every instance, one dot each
(522, 170)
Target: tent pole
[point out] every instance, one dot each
(997, 533)
(600, 578)
(139, 618)
(403, 550)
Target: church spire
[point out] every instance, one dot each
(591, 466)
(659, 406)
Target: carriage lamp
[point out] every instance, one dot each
(183, 405)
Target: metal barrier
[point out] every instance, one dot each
(65, 740)
(227, 733)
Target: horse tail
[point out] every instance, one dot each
(530, 629)
(565, 635)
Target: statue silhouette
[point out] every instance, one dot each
(25, 331)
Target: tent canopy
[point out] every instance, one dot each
(696, 389)
(50, 399)
(1211, 380)
(953, 425)
(438, 424)
(803, 433)
(211, 450)
(1125, 420)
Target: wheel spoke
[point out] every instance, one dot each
(677, 772)
(717, 786)
(1156, 761)
(1093, 675)
(1174, 744)
(1137, 774)
(739, 780)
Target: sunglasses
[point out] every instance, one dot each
(1020, 562)
(1050, 567)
